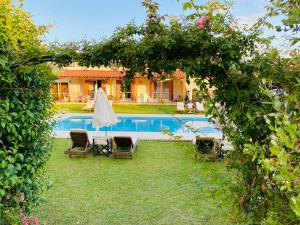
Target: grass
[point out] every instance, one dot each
(163, 184)
(123, 108)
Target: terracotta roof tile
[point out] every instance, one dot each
(92, 73)
(104, 74)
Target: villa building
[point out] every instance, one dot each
(77, 84)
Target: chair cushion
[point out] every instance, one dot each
(123, 142)
(79, 138)
(205, 145)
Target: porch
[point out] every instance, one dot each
(157, 91)
(141, 90)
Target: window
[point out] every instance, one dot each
(161, 89)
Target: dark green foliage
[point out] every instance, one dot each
(25, 121)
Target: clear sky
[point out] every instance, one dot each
(74, 20)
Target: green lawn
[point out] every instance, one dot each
(123, 108)
(163, 184)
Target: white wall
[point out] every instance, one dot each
(143, 90)
(74, 89)
(178, 88)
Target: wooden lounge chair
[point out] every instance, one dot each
(123, 147)
(180, 107)
(89, 106)
(199, 107)
(80, 144)
(208, 147)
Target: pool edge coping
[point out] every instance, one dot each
(65, 115)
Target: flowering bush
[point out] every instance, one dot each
(25, 121)
(202, 22)
(28, 220)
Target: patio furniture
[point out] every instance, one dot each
(180, 107)
(199, 107)
(150, 100)
(102, 145)
(123, 147)
(80, 144)
(104, 115)
(190, 107)
(207, 147)
(89, 106)
(226, 147)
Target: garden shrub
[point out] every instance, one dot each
(25, 109)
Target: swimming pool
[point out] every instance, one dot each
(140, 124)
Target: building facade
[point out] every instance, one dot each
(77, 84)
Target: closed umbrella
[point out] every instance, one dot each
(103, 116)
(95, 92)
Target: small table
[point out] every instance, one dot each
(102, 145)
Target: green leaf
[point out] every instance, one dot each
(295, 40)
(295, 204)
(3, 61)
(2, 192)
(269, 25)
(186, 5)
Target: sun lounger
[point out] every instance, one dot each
(89, 106)
(180, 107)
(124, 147)
(208, 147)
(199, 107)
(80, 143)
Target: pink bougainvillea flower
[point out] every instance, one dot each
(35, 221)
(26, 221)
(7, 197)
(202, 22)
(200, 26)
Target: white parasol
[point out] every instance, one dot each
(103, 116)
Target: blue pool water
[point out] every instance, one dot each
(138, 124)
